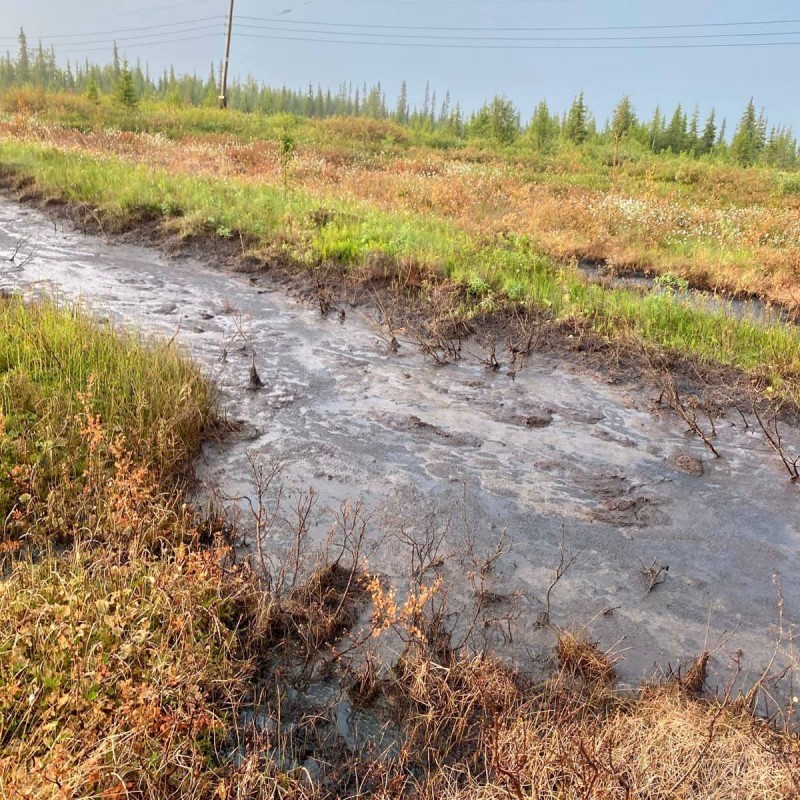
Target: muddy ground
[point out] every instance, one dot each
(471, 460)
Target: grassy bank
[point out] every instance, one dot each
(715, 224)
(128, 656)
(295, 226)
(64, 381)
(114, 661)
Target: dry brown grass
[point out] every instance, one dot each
(663, 745)
(484, 734)
(583, 658)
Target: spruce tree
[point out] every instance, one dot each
(749, 139)
(655, 131)
(623, 119)
(504, 120)
(543, 128)
(68, 81)
(676, 137)
(115, 64)
(622, 123)
(444, 112)
(694, 143)
(401, 114)
(576, 129)
(6, 71)
(125, 90)
(457, 121)
(721, 140)
(23, 60)
(39, 69)
(211, 93)
(761, 131)
(309, 106)
(709, 138)
(480, 123)
(781, 149)
(92, 91)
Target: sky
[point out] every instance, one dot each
(328, 42)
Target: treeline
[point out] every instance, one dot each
(753, 141)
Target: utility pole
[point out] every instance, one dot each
(223, 90)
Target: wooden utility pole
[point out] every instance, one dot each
(223, 90)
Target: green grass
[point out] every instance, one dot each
(58, 368)
(511, 266)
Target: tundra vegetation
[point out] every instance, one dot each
(140, 658)
(140, 655)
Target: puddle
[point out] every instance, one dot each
(553, 456)
(751, 309)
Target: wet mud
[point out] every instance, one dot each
(492, 469)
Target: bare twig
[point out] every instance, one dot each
(654, 574)
(670, 394)
(773, 437)
(563, 565)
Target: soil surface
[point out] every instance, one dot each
(471, 459)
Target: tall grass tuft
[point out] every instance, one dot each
(63, 377)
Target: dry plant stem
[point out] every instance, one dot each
(386, 321)
(22, 242)
(17, 248)
(773, 437)
(304, 505)
(264, 518)
(744, 418)
(655, 574)
(241, 334)
(674, 401)
(563, 565)
(483, 565)
(93, 214)
(424, 551)
(489, 357)
(324, 298)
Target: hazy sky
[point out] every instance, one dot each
(725, 77)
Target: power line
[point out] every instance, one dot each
(130, 40)
(130, 45)
(482, 29)
(169, 7)
(118, 30)
(452, 2)
(659, 37)
(687, 46)
(575, 29)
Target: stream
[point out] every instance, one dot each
(557, 458)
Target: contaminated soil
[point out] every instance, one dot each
(561, 454)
